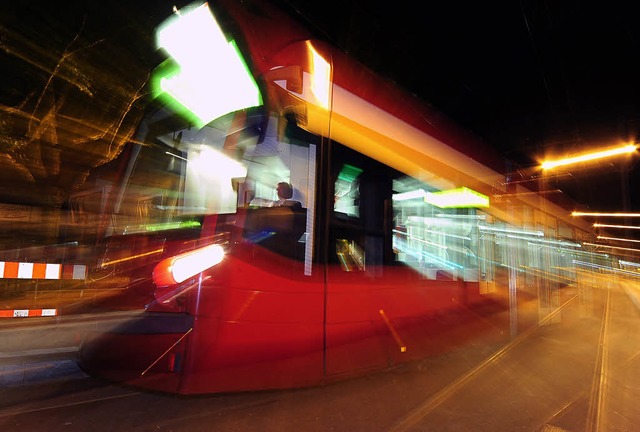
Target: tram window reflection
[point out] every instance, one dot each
(382, 218)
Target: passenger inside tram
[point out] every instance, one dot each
(285, 193)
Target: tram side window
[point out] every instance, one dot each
(440, 241)
(277, 195)
(359, 240)
(384, 217)
(229, 168)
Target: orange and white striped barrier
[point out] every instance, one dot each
(24, 313)
(26, 270)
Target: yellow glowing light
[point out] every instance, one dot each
(396, 336)
(510, 231)
(320, 77)
(629, 148)
(129, 258)
(577, 213)
(457, 198)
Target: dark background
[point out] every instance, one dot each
(532, 78)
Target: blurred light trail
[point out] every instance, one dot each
(510, 231)
(618, 239)
(599, 225)
(577, 213)
(608, 268)
(611, 247)
(629, 148)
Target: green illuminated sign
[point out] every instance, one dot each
(457, 198)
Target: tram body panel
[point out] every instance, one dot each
(269, 331)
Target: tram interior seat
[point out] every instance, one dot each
(278, 229)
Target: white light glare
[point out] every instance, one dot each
(191, 264)
(213, 78)
(418, 193)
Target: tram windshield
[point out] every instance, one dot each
(180, 171)
(210, 146)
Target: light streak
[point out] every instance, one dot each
(599, 225)
(618, 239)
(401, 345)
(611, 247)
(603, 267)
(117, 261)
(452, 198)
(629, 148)
(457, 198)
(551, 242)
(511, 231)
(577, 213)
(166, 352)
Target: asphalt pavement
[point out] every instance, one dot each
(36, 350)
(578, 369)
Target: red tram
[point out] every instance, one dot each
(391, 250)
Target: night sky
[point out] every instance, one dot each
(532, 78)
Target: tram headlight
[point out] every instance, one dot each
(179, 268)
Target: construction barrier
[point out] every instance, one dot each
(26, 270)
(23, 313)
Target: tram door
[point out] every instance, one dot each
(394, 261)
(357, 241)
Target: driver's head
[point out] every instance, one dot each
(285, 190)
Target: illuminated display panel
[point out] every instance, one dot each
(193, 79)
